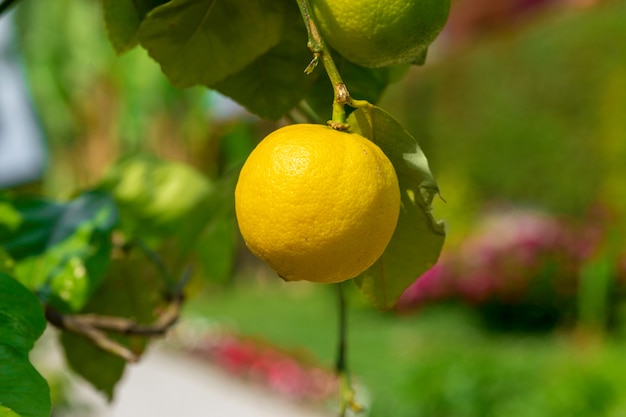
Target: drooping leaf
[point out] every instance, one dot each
(275, 82)
(62, 249)
(23, 391)
(201, 42)
(418, 238)
(131, 289)
(123, 17)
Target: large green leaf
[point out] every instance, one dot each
(123, 17)
(275, 82)
(201, 42)
(130, 289)
(61, 249)
(23, 392)
(418, 238)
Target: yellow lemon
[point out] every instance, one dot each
(378, 33)
(317, 204)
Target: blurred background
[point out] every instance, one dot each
(521, 109)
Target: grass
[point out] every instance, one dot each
(437, 363)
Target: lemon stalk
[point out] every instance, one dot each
(346, 391)
(321, 52)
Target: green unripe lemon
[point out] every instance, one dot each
(379, 33)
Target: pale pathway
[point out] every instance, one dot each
(165, 384)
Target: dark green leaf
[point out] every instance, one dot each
(130, 289)
(29, 228)
(62, 249)
(21, 316)
(201, 42)
(22, 390)
(123, 17)
(43, 223)
(274, 83)
(418, 238)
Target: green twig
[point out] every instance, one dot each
(321, 52)
(346, 392)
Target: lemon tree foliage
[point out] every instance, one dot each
(254, 51)
(124, 18)
(418, 238)
(23, 391)
(60, 249)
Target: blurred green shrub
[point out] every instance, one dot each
(534, 115)
(509, 380)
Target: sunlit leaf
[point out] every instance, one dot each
(418, 238)
(123, 17)
(62, 249)
(201, 42)
(23, 392)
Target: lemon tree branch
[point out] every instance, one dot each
(321, 52)
(346, 392)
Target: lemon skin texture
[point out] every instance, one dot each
(317, 204)
(379, 33)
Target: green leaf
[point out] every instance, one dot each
(30, 227)
(130, 289)
(5, 412)
(7, 264)
(418, 238)
(216, 248)
(44, 223)
(123, 17)
(275, 82)
(201, 42)
(62, 249)
(155, 196)
(23, 392)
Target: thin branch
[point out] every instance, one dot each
(94, 327)
(321, 52)
(97, 337)
(341, 365)
(346, 391)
